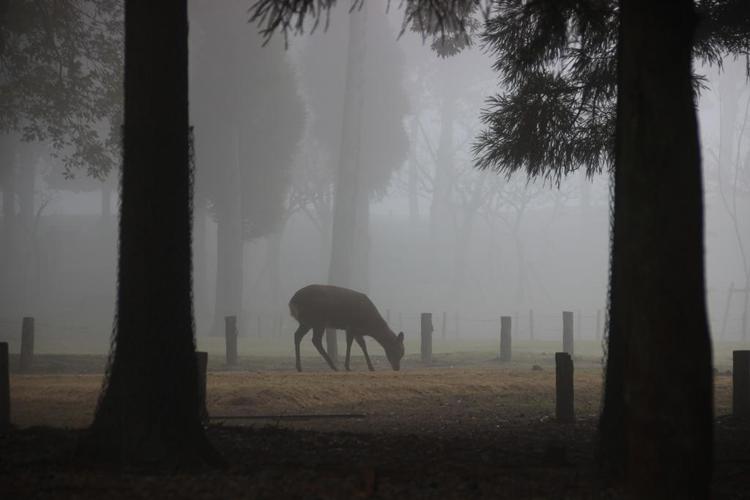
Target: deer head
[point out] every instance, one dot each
(395, 351)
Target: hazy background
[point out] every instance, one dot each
(441, 236)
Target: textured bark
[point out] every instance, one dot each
(658, 399)
(149, 410)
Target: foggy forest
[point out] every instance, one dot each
(374, 249)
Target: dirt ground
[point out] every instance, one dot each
(465, 427)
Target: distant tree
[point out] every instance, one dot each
(60, 91)
(363, 131)
(148, 412)
(61, 78)
(248, 119)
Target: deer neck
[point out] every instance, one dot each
(383, 336)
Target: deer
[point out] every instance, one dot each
(318, 307)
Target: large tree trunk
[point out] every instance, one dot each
(149, 412)
(659, 371)
(343, 248)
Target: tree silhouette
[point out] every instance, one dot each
(148, 411)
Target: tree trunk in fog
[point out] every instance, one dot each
(8, 230)
(413, 179)
(273, 264)
(463, 239)
(361, 267)
(200, 266)
(26, 179)
(341, 271)
(657, 414)
(149, 411)
(229, 246)
(439, 208)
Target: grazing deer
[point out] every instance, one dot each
(318, 307)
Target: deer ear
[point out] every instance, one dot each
(401, 336)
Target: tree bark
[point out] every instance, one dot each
(149, 410)
(658, 394)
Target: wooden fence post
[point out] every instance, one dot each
(505, 339)
(426, 337)
(27, 344)
(741, 384)
(202, 360)
(564, 410)
(230, 334)
(598, 324)
(531, 324)
(568, 332)
(4, 388)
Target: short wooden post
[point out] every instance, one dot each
(505, 339)
(27, 344)
(444, 327)
(568, 332)
(202, 361)
(531, 324)
(230, 334)
(4, 388)
(741, 384)
(598, 334)
(426, 337)
(564, 410)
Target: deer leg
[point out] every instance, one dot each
(349, 338)
(318, 343)
(301, 332)
(361, 342)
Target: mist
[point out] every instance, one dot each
(434, 233)
(185, 194)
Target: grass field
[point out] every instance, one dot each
(457, 390)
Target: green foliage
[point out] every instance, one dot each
(61, 76)
(557, 62)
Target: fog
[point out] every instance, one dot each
(280, 137)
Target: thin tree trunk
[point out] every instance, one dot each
(412, 182)
(443, 170)
(343, 247)
(659, 371)
(149, 411)
(229, 265)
